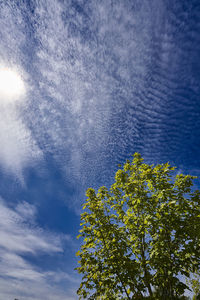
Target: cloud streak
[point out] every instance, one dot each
(18, 149)
(20, 236)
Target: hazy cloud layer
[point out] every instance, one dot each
(18, 149)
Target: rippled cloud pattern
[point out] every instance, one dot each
(107, 79)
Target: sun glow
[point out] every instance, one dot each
(11, 86)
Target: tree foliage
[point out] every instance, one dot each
(194, 283)
(141, 236)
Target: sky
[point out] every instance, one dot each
(85, 84)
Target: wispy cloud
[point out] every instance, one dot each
(85, 63)
(100, 84)
(19, 236)
(18, 149)
(28, 290)
(87, 71)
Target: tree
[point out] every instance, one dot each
(141, 236)
(194, 282)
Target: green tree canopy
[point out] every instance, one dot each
(141, 237)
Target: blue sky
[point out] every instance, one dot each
(101, 80)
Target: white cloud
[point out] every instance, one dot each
(12, 86)
(30, 290)
(88, 71)
(74, 57)
(91, 61)
(20, 236)
(18, 149)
